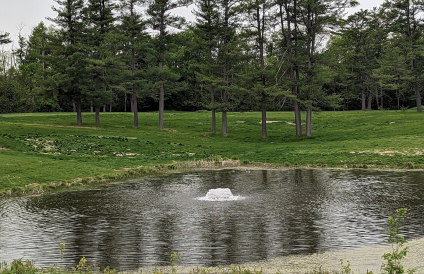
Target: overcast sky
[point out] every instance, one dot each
(26, 14)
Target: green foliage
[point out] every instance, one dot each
(394, 258)
(175, 261)
(345, 267)
(20, 267)
(62, 249)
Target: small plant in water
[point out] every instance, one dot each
(62, 249)
(393, 264)
(175, 261)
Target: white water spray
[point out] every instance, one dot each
(220, 194)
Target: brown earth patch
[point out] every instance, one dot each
(411, 152)
(270, 122)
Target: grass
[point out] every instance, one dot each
(40, 151)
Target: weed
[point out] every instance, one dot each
(394, 258)
(175, 261)
(62, 249)
(345, 268)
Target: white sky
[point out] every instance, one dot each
(26, 14)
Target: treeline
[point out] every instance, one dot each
(244, 55)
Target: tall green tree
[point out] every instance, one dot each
(70, 60)
(407, 21)
(258, 13)
(317, 17)
(206, 30)
(99, 22)
(134, 39)
(229, 54)
(288, 17)
(160, 20)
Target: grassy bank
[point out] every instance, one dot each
(49, 149)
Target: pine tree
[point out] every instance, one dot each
(229, 53)
(4, 39)
(160, 21)
(206, 30)
(99, 22)
(134, 40)
(407, 22)
(69, 58)
(259, 19)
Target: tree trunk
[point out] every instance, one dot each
(260, 24)
(224, 113)
(213, 110)
(134, 105)
(297, 114)
(264, 131)
(417, 95)
(309, 122)
(224, 122)
(376, 100)
(125, 102)
(161, 98)
(91, 106)
(161, 106)
(110, 108)
(97, 115)
(397, 97)
(369, 101)
(381, 99)
(363, 99)
(79, 112)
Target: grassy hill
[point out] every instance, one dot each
(47, 148)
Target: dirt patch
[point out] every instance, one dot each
(170, 130)
(412, 152)
(270, 122)
(125, 154)
(48, 125)
(241, 122)
(3, 148)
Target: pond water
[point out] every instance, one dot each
(277, 213)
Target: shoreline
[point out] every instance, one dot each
(125, 174)
(361, 259)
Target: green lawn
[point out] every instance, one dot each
(40, 148)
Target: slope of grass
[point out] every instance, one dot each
(41, 148)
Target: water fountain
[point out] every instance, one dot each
(220, 194)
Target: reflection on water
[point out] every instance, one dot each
(140, 223)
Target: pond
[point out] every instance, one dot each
(140, 223)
